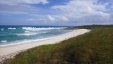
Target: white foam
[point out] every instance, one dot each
(27, 34)
(38, 29)
(2, 29)
(27, 31)
(11, 28)
(3, 41)
(24, 42)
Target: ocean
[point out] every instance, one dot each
(13, 35)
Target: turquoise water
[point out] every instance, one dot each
(10, 35)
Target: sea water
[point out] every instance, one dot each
(13, 35)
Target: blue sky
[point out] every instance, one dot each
(56, 12)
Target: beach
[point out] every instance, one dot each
(14, 49)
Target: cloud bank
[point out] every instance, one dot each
(71, 12)
(23, 1)
(85, 12)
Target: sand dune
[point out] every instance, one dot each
(14, 49)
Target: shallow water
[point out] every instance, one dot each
(21, 34)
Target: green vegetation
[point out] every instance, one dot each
(95, 47)
(91, 26)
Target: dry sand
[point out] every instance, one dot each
(14, 49)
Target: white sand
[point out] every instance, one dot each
(4, 51)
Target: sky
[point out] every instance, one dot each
(56, 12)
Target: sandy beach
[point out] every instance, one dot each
(4, 51)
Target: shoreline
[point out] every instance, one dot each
(10, 51)
(21, 43)
(30, 41)
(26, 41)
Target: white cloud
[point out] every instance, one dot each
(18, 9)
(112, 6)
(51, 18)
(57, 18)
(64, 18)
(23, 1)
(31, 19)
(72, 12)
(75, 10)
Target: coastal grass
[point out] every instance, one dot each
(95, 47)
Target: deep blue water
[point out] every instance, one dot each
(10, 35)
